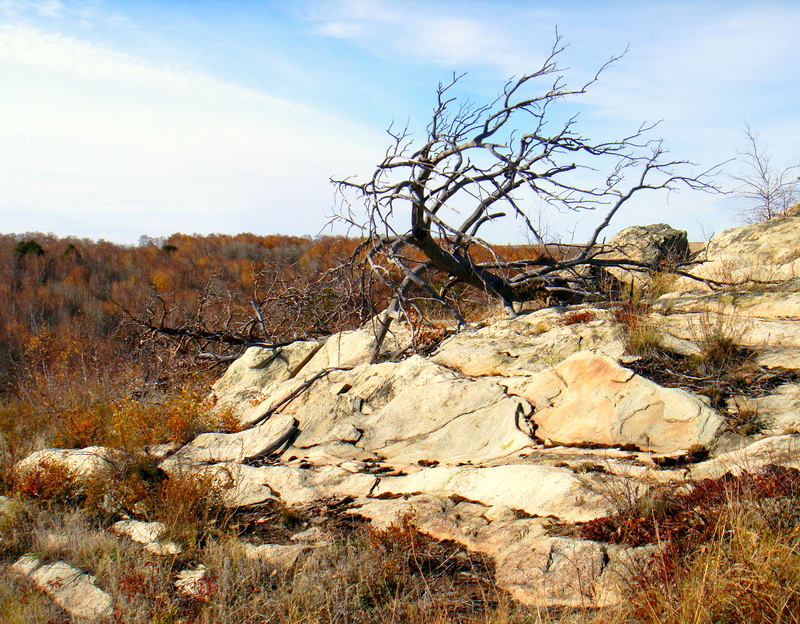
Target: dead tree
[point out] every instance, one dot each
(424, 209)
(767, 190)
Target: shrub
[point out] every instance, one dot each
(51, 481)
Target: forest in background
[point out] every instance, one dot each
(109, 344)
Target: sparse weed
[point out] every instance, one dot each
(746, 419)
(577, 316)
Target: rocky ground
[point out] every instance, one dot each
(508, 438)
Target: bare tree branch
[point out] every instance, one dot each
(424, 207)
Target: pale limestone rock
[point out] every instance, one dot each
(557, 571)
(443, 519)
(83, 464)
(328, 417)
(348, 348)
(538, 570)
(378, 384)
(415, 412)
(242, 485)
(147, 533)
(765, 322)
(163, 549)
(259, 441)
(342, 454)
(591, 398)
(779, 450)
(162, 451)
(314, 535)
(241, 387)
(537, 490)
(779, 410)
(453, 420)
(69, 588)
(196, 583)
(281, 556)
(297, 485)
(274, 397)
(764, 251)
(529, 343)
(140, 532)
(487, 433)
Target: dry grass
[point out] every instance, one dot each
(747, 527)
(731, 552)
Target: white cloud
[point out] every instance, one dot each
(444, 33)
(113, 146)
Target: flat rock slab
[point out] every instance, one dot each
(535, 568)
(69, 588)
(147, 533)
(378, 384)
(766, 322)
(529, 344)
(779, 450)
(767, 250)
(485, 434)
(242, 485)
(259, 441)
(414, 413)
(563, 572)
(589, 397)
(486, 529)
(345, 349)
(239, 484)
(299, 485)
(536, 490)
(84, 464)
(281, 556)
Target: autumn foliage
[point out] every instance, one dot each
(109, 344)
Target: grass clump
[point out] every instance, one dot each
(730, 551)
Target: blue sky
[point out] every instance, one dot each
(119, 119)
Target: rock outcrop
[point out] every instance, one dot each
(507, 431)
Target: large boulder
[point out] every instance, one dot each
(658, 245)
(590, 398)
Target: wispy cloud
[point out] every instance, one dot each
(122, 142)
(449, 34)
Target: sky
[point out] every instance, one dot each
(122, 119)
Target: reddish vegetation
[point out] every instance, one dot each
(578, 316)
(685, 521)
